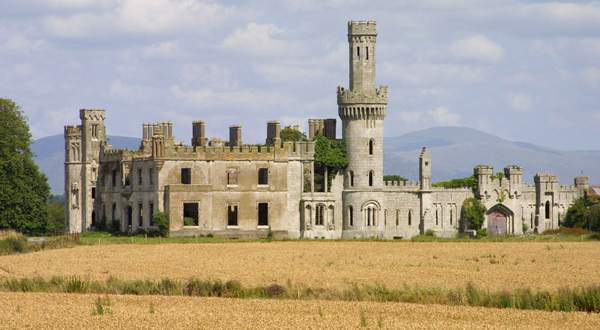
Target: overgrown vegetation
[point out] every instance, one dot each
(394, 178)
(291, 134)
(472, 214)
(24, 190)
(330, 154)
(468, 182)
(161, 221)
(586, 299)
(584, 213)
(12, 242)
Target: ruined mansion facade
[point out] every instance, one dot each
(233, 189)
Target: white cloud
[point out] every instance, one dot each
(440, 116)
(259, 39)
(478, 48)
(592, 75)
(142, 17)
(162, 49)
(241, 99)
(21, 43)
(520, 102)
(432, 74)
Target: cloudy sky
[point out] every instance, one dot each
(523, 70)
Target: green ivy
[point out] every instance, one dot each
(292, 134)
(470, 181)
(330, 153)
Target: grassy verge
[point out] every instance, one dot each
(12, 242)
(568, 299)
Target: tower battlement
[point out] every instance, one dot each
(92, 114)
(376, 96)
(362, 28)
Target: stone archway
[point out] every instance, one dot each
(499, 220)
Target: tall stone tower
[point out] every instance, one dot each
(82, 157)
(362, 109)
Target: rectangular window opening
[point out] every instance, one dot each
(186, 176)
(140, 215)
(263, 214)
(190, 214)
(232, 215)
(263, 176)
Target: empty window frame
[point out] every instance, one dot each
(263, 214)
(547, 210)
(370, 178)
(232, 176)
(186, 176)
(232, 215)
(190, 214)
(320, 215)
(351, 179)
(140, 214)
(263, 176)
(93, 192)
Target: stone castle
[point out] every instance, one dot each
(233, 189)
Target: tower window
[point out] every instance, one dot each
(410, 217)
(397, 217)
(351, 178)
(367, 52)
(358, 52)
(370, 178)
(371, 147)
(451, 216)
(350, 216)
(437, 218)
(547, 209)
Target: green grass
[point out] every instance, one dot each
(586, 299)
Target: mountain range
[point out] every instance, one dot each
(455, 151)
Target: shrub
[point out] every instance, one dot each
(12, 242)
(394, 178)
(470, 182)
(584, 213)
(472, 214)
(481, 232)
(525, 227)
(161, 221)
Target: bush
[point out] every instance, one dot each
(13, 244)
(472, 214)
(482, 232)
(161, 221)
(470, 182)
(525, 227)
(584, 213)
(394, 178)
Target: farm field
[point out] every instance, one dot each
(77, 311)
(494, 266)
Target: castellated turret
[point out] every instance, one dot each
(82, 159)
(362, 109)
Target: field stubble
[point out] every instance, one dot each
(494, 266)
(75, 311)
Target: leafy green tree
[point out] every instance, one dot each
(330, 154)
(472, 213)
(161, 221)
(56, 217)
(24, 190)
(584, 213)
(470, 181)
(292, 134)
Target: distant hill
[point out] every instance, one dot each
(50, 156)
(455, 151)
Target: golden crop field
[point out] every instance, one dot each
(506, 265)
(74, 311)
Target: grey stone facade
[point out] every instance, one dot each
(233, 189)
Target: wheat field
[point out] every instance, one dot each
(496, 266)
(74, 311)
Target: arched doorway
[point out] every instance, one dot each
(500, 220)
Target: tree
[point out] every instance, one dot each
(472, 213)
(292, 134)
(24, 190)
(470, 181)
(584, 213)
(394, 178)
(330, 154)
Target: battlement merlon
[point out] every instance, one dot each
(73, 131)
(92, 114)
(350, 97)
(362, 28)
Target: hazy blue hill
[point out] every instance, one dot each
(455, 151)
(50, 156)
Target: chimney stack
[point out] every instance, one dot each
(235, 135)
(198, 134)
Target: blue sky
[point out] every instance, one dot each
(523, 70)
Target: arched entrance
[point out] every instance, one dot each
(499, 220)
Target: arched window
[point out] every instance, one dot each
(547, 210)
(350, 216)
(371, 147)
(370, 178)
(320, 214)
(410, 217)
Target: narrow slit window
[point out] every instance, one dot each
(358, 52)
(367, 52)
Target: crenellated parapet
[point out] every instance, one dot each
(352, 97)
(92, 114)
(362, 29)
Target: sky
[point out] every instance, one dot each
(522, 70)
